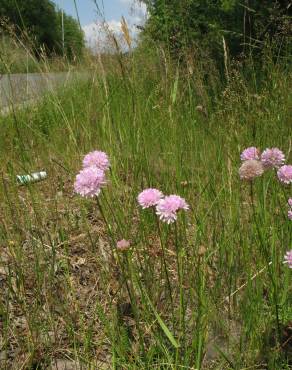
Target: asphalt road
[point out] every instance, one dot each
(20, 88)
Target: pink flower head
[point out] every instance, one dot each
(285, 174)
(290, 202)
(98, 159)
(250, 169)
(168, 207)
(89, 181)
(123, 245)
(149, 197)
(272, 158)
(288, 258)
(290, 215)
(250, 153)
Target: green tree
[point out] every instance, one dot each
(42, 21)
(243, 23)
(38, 17)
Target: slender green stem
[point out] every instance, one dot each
(265, 251)
(164, 264)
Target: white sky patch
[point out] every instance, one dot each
(132, 3)
(97, 37)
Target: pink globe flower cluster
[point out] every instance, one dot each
(167, 207)
(91, 178)
(250, 169)
(270, 158)
(290, 210)
(98, 159)
(284, 174)
(288, 258)
(149, 198)
(89, 182)
(251, 166)
(250, 153)
(255, 163)
(123, 245)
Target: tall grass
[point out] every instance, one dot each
(209, 292)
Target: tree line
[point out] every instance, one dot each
(43, 22)
(245, 25)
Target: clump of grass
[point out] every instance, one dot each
(171, 299)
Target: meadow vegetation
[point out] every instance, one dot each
(209, 291)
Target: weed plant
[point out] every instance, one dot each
(209, 291)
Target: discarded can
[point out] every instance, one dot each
(34, 177)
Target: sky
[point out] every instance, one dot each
(131, 10)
